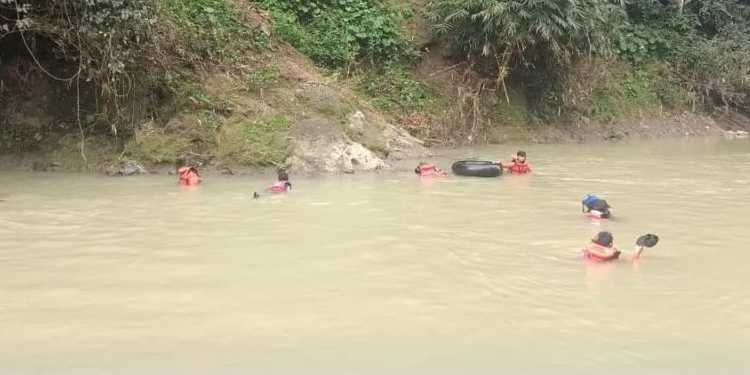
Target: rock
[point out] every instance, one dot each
(319, 146)
(394, 142)
(402, 145)
(358, 122)
(39, 166)
(333, 155)
(735, 134)
(130, 168)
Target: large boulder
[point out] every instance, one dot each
(363, 142)
(393, 142)
(320, 147)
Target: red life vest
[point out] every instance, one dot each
(519, 168)
(280, 187)
(430, 170)
(189, 176)
(589, 254)
(595, 215)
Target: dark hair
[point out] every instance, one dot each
(283, 176)
(604, 239)
(521, 153)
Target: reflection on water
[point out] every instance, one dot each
(384, 273)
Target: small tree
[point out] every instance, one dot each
(512, 32)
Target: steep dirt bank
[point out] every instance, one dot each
(272, 108)
(268, 108)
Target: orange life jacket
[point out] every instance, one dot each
(280, 187)
(189, 176)
(520, 168)
(590, 254)
(430, 170)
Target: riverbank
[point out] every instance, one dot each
(251, 96)
(685, 125)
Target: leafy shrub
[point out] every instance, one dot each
(515, 30)
(336, 33)
(392, 89)
(212, 30)
(104, 38)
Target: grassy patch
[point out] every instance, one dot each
(605, 92)
(210, 29)
(157, 147)
(260, 142)
(392, 89)
(263, 78)
(98, 150)
(188, 135)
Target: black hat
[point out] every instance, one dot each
(647, 240)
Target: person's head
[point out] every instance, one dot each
(283, 176)
(603, 239)
(418, 169)
(521, 156)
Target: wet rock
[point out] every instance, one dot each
(735, 134)
(131, 168)
(402, 145)
(45, 166)
(378, 135)
(226, 171)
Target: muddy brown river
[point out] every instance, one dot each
(384, 273)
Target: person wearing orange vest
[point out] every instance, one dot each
(601, 248)
(518, 165)
(188, 174)
(427, 169)
(282, 185)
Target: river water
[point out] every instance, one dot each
(384, 273)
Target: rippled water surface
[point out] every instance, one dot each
(384, 273)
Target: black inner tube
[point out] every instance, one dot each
(476, 168)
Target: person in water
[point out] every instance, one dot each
(282, 185)
(601, 248)
(427, 169)
(518, 164)
(596, 207)
(188, 174)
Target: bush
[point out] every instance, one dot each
(514, 31)
(337, 33)
(104, 38)
(210, 27)
(392, 89)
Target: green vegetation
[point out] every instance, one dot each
(392, 89)
(540, 44)
(156, 80)
(339, 33)
(209, 29)
(260, 142)
(263, 78)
